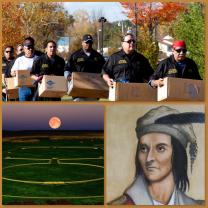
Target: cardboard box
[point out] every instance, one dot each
(53, 86)
(90, 85)
(23, 79)
(181, 89)
(12, 91)
(132, 92)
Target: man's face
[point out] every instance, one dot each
(128, 44)
(179, 54)
(51, 49)
(19, 49)
(87, 45)
(28, 49)
(9, 53)
(155, 156)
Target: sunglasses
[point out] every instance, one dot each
(8, 51)
(130, 41)
(30, 47)
(181, 50)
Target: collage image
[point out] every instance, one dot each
(103, 104)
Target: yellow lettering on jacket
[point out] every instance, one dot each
(44, 65)
(80, 60)
(122, 61)
(172, 71)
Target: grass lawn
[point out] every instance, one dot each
(68, 171)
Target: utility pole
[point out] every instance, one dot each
(102, 20)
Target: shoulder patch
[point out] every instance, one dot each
(122, 61)
(172, 71)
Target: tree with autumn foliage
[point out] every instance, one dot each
(147, 17)
(11, 24)
(42, 21)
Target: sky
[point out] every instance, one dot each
(36, 117)
(112, 11)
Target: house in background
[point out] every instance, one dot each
(165, 47)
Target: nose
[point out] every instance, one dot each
(150, 156)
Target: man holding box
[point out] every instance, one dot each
(177, 65)
(127, 65)
(85, 59)
(47, 64)
(25, 62)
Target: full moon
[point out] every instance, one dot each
(54, 122)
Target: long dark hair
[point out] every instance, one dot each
(179, 165)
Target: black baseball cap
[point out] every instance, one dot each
(87, 38)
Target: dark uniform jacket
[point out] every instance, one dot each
(6, 66)
(132, 68)
(44, 66)
(80, 62)
(168, 68)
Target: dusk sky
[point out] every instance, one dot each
(36, 116)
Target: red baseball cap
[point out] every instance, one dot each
(179, 44)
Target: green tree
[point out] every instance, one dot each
(190, 27)
(148, 47)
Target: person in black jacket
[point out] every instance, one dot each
(7, 62)
(7, 59)
(127, 65)
(48, 64)
(85, 59)
(177, 65)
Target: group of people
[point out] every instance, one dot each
(126, 65)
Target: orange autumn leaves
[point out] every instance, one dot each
(150, 14)
(11, 24)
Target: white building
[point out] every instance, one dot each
(165, 45)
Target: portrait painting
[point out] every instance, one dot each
(155, 154)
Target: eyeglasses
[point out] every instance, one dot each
(130, 41)
(181, 50)
(8, 51)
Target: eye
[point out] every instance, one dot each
(161, 148)
(143, 148)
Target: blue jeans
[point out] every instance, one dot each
(25, 94)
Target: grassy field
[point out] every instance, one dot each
(53, 171)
